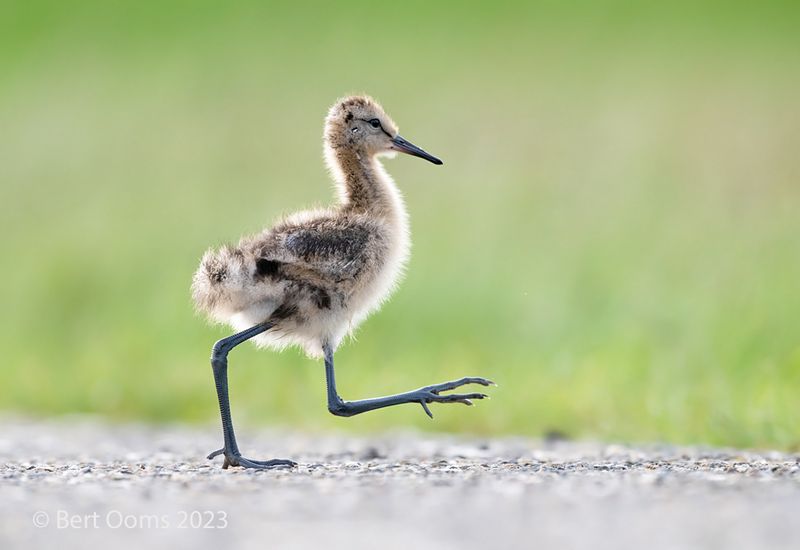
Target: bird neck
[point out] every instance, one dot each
(363, 183)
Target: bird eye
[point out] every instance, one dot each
(375, 123)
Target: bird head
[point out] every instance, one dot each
(360, 123)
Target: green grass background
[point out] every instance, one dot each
(614, 236)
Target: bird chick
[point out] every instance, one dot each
(314, 276)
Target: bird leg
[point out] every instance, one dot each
(423, 396)
(219, 363)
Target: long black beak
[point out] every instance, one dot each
(409, 148)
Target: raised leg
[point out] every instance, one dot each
(219, 363)
(423, 396)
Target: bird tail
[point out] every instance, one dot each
(221, 283)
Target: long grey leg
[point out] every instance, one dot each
(219, 363)
(423, 396)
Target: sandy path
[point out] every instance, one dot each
(77, 483)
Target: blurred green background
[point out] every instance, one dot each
(614, 236)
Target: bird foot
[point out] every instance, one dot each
(236, 459)
(431, 394)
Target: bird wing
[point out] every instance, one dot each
(331, 249)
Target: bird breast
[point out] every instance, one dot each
(385, 271)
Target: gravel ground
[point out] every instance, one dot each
(81, 483)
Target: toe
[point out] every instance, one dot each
(476, 396)
(276, 463)
(445, 386)
(460, 398)
(481, 381)
(266, 464)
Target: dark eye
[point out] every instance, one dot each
(375, 123)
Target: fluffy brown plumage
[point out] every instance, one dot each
(317, 274)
